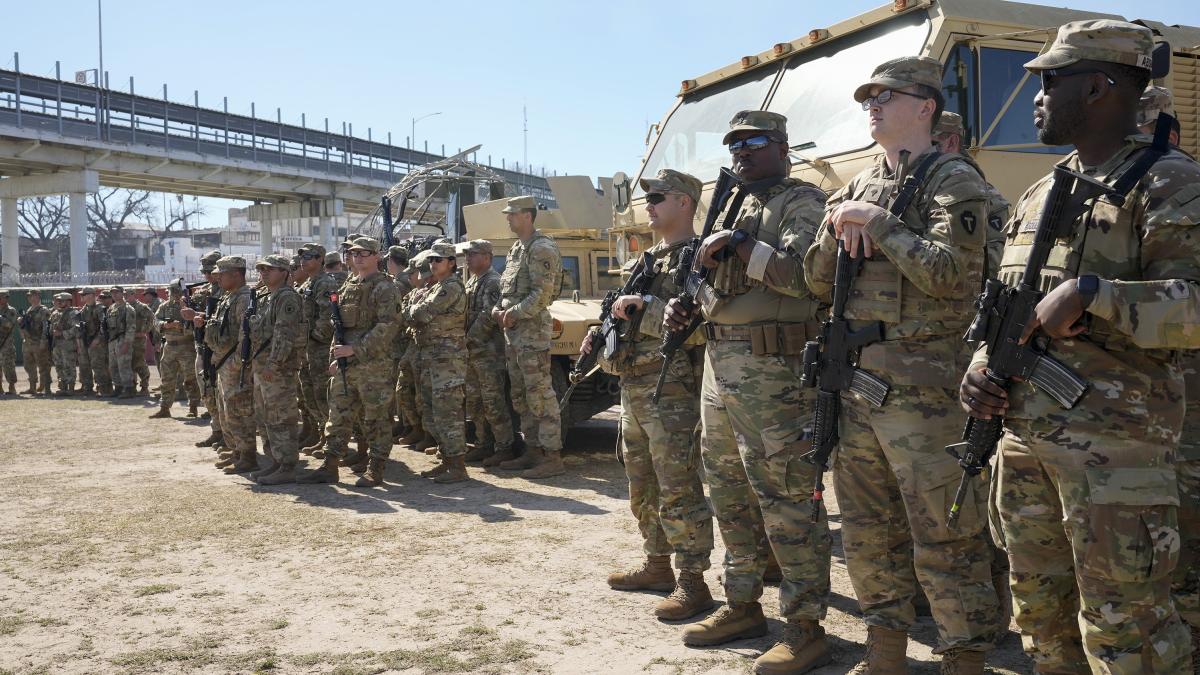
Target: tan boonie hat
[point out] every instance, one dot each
(522, 203)
(1098, 40)
(950, 123)
(365, 244)
(333, 258)
(1154, 100)
(903, 72)
(441, 249)
(274, 260)
(670, 180)
(230, 263)
(773, 125)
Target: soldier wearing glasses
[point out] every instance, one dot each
(759, 313)
(318, 331)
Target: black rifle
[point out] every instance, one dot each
(50, 334)
(688, 280)
(830, 365)
(206, 353)
(251, 310)
(388, 239)
(103, 322)
(1003, 313)
(339, 336)
(606, 335)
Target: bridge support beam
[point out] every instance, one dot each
(327, 233)
(11, 264)
(266, 229)
(79, 237)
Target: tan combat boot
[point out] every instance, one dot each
(247, 462)
(326, 473)
(433, 449)
(456, 470)
(357, 462)
(531, 458)
(551, 465)
(801, 648)
(690, 597)
(962, 662)
(12, 389)
(127, 392)
(479, 453)
(318, 446)
(424, 444)
(226, 461)
(501, 456)
(438, 469)
(373, 475)
(735, 621)
(193, 409)
(213, 437)
(284, 473)
(414, 434)
(164, 412)
(144, 390)
(268, 469)
(885, 653)
(654, 575)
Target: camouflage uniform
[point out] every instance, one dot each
(318, 329)
(276, 335)
(438, 318)
(997, 206)
(406, 402)
(179, 353)
(144, 321)
(415, 359)
(658, 439)
(120, 328)
(1088, 499)
(234, 392)
(1185, 586)
(34, 348)
(64, 326)
(8, 344)
(208, 390)
(529, 284)
(487, 400)
(93, 358)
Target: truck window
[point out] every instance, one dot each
(959, 86)
(570, 281)
(816, 91)
(1000, 72)
(690, 141)
(498, 263)
(606, 282)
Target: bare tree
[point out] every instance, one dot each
(43, 220)
(178, 217)
(110, 209)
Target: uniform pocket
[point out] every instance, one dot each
(784, 446)
(936, 479)
(1132, 528)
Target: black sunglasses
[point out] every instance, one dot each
(885, 96)
(434, 258)
(1051, 75)
(753, 143)
(656, 198)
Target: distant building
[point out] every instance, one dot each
(289, 233)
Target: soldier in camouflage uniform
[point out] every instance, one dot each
(759, 313)
(144, 317)
(397, 263)
(531, 281)
(199, 303)
(923, 271)
(1088, 497)
(178, 360)
(1185, 586)
(235, 390)
(93, 357)
(120, 329)
(318, 332)
(368, 302)
(276, 342)
(948, 135)
(8, 342)
(64, 328)
(438, 318)
(415, 397)
(658, 438)
(35, 349)
(488, 405)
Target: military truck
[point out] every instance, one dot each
(983, 44)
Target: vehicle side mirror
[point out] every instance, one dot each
(1160, 60)
(621, 196)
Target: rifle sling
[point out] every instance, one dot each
(912, 182)
(1141, 166)
(225, 358)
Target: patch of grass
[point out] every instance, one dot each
(480, 607)
(428, 613)
(477, 630)
(155, 589)
(11, 624)
(50, 622)
(151, 660)
(278, 624)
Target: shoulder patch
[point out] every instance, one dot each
(968, 221)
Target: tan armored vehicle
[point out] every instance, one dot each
(983, 44)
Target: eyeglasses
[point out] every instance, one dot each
(752, 144)
(1049, 76)
(360, 254)
(309, 256)
(886, 95)
(434, 258)
(655, 198)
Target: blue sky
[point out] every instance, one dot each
(593, 75)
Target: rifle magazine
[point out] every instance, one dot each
(1060, 382)
(870, 387)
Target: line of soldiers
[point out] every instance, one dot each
(1096, 506)
(101, 344)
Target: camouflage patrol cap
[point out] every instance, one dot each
(211, 257)
(87, 290)
(442, 249)
(399, 254)
(950, 123)
(116, 289)
(365, 244)
(418, 262)
(477, 246)
(333, 258)
(521, 203)
(773, 125)
(903, 72)
(33, 291)
(670, 180)
(1154, 100)
(1097, 40)
(65, 297)
(230, 263)
(105, 295)
(274, 260)
(3, 292)
(313, 249)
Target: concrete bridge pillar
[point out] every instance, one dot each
(266, 228)
(79, 237)
(11, 264)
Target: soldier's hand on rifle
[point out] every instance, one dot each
(187, 313)
(626, 305)
(980, 397)
(711, 247)
(849, 220)
(342, 351)
(676, 317)
(585, 347)
(1058, 314)
(507, 319)
(332, 369)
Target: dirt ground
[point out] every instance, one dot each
(123, 550)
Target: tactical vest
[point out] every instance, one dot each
(447, 326)
(227, 321)
(881, 292)
(516, 282)
(143, 316)
(637, 351)
(732, 297)
(354, 301)
(171, 312)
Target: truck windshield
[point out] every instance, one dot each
(815, 92)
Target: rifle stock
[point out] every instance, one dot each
(339, 337)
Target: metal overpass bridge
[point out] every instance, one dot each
(59, 137)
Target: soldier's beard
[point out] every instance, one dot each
(1060, 126)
